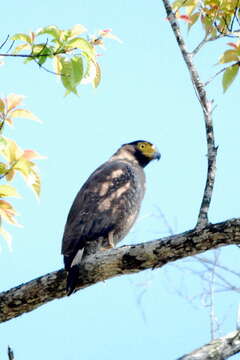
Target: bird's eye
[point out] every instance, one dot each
(141, 146)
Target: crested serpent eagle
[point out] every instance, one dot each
(106, 206)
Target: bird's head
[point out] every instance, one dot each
(143, 151)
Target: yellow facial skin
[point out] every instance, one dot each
(147, 149)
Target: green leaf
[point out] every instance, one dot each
(66, 75)
(3, 168)
(83, 45)
(8, 191)
(229, 75)
(228, 56)
(71, 73)
(22, 37)
(51, 30)
(77, 69)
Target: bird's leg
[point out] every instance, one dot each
(108, 243)
(110, 240)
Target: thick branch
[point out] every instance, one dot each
(207, 112)
(120, 261)
(218, 349)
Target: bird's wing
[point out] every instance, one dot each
(98, 206)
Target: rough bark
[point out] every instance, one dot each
(124, 260)
(218, 349)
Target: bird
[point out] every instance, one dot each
(106, 207)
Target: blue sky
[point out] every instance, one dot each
(146, 93)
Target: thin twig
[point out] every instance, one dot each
(207, 112)
(200, 45)
(219, 72)
(10, 47)
(2, 45)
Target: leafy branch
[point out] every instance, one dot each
(74, 56)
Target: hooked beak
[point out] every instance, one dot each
(157, 155)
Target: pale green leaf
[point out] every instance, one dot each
(51, 30)
(229, 75)
(83, 45)
(22, 37)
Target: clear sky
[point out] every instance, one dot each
(146, 93)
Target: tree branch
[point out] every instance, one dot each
(207, 112)
(124, 260)
(218, 349)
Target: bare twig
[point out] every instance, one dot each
(10, 47)
(207, 112)
(200, 45)
(219, 72)
(2, 45)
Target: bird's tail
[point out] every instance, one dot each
(73, 272)
(72, 278)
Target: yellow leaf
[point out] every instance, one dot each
(24, 166)
(21, 47)
(11, 151)
(77, 30)
(9, 217)
(5, 234)
(23, 113)
(35, 182)
(228, 56)
(97, 78)
(10, 174)
(2, 105)
(8, 191)
(13, 100)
